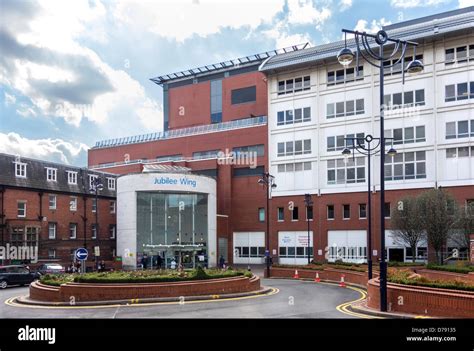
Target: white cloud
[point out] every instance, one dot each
(416, 3)
(345, 4)
(363, 25)
(466, 3)
(181, 19)
(283, 39)
(44, 61)
(46, 149)
(9, 99)
(303, 12)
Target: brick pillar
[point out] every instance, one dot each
(472, 248)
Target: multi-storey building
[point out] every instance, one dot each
(49, 206)
(315, 103)
(215, 124)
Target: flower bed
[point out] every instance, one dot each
(146, 276)
(409, 278)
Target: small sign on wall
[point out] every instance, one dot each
(374, 252)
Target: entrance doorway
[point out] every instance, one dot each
(396, 254)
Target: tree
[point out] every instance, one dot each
(408, 224)
(465, 227)
(439, 214)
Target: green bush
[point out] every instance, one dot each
(404, 264)
(145, 276)
(453, 269)
(406, 277)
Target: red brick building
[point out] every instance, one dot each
(50, 206)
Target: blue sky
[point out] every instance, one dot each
(74, 72)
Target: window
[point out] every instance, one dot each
(244, 95)
(112, 206)
(407, 99)
(346, 211)
(345, 75)
(254, 150)
(459, 54)
(32, 236)
(248, 172)
(21, 209)
(294, 167)
(17, 236)
(71, 177)
(460, 91)
(309, 213)
(73, 203)
(92, 179)
(281, 214)
(330, 211)
(340, 142)
(294, 214)
(403, 166)
(345, 108)
(72, 230)
(362, 211)
(391, 67)
(51, 174)
(205, 154)
(460, 152)
(20, 170)
(386, 210)
(175, 157)
(294, 116)
(94, 205)
(111, 183)
(112, 231)
(294, 85)
(291, 148)
(407, 135)
(216, 101)
(459, 129)
(348, 171)
(94, 231)
(51, 253)
(52, 230)
(52, 202)
(261, 214)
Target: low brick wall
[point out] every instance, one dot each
(351, 277)
(110, 292)
(423, 300)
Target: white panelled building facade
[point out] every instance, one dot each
(315, 103)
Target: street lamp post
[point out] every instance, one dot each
(308, 203)
(268, 182)
(345, 57)
(359, 145)
(96, 186)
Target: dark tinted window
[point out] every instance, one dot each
(243, 95)
(241, 172)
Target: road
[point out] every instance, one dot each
(294, 299)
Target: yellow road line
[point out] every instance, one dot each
(10, 302)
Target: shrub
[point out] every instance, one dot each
(407, 277)
(454, 269)
(145, 276)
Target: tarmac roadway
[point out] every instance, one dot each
(288, 299)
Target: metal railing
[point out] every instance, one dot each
(184, 132)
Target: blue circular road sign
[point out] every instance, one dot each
(81, 254)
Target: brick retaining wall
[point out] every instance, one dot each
(109, 292)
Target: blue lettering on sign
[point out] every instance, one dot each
(171, 181)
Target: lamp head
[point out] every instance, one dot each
(392, 152)
(346, 152)
(345, 56)
(415, 66)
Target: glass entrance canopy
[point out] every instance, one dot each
(172, 227)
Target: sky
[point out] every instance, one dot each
(78, 71)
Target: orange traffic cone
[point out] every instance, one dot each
(296, 276)
(317, 279)
(342, 284)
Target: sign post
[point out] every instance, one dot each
(82, 254)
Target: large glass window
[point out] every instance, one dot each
(243, 95)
